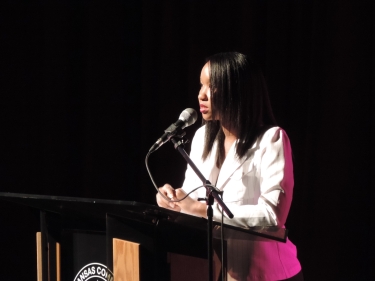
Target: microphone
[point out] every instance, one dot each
(187, 118)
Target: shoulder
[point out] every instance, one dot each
(274, 135)
(198, 140)
(199, 134)
(275, 143)
(201, 131)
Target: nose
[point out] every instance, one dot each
(202, 95)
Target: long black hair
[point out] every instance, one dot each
(239, 99)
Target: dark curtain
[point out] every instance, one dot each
(88, 86)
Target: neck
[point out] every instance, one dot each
(229, 134)
(230, 138)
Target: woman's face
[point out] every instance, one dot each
(204, 96)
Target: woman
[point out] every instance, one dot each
(241, 151)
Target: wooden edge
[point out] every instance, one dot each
(58, 262)
(125, 260)
(39, 262)
(39, 256)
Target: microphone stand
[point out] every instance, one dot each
(211, 194)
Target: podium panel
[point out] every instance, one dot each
(126, 260)
(82, 238)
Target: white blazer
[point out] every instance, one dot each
(257, 188)
(258, 191)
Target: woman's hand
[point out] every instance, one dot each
(168, 191)
(189, 205)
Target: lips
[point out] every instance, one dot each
(203, 108)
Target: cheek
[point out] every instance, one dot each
(209, 93)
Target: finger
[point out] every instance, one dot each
(171, 205)
(179, 193)
(168, 191)
(161, 201)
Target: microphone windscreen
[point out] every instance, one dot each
(188, 116)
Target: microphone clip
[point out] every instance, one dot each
(181, 142)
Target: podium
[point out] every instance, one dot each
(82, 239)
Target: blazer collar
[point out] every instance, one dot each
(231, 164)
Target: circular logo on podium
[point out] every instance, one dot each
(94, 270)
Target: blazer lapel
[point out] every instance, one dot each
(211, 172)
(231, 164)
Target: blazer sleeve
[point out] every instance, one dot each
(274, 168)
(192, 181)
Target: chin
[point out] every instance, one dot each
(207, 117)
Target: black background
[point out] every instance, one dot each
(89, 85)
